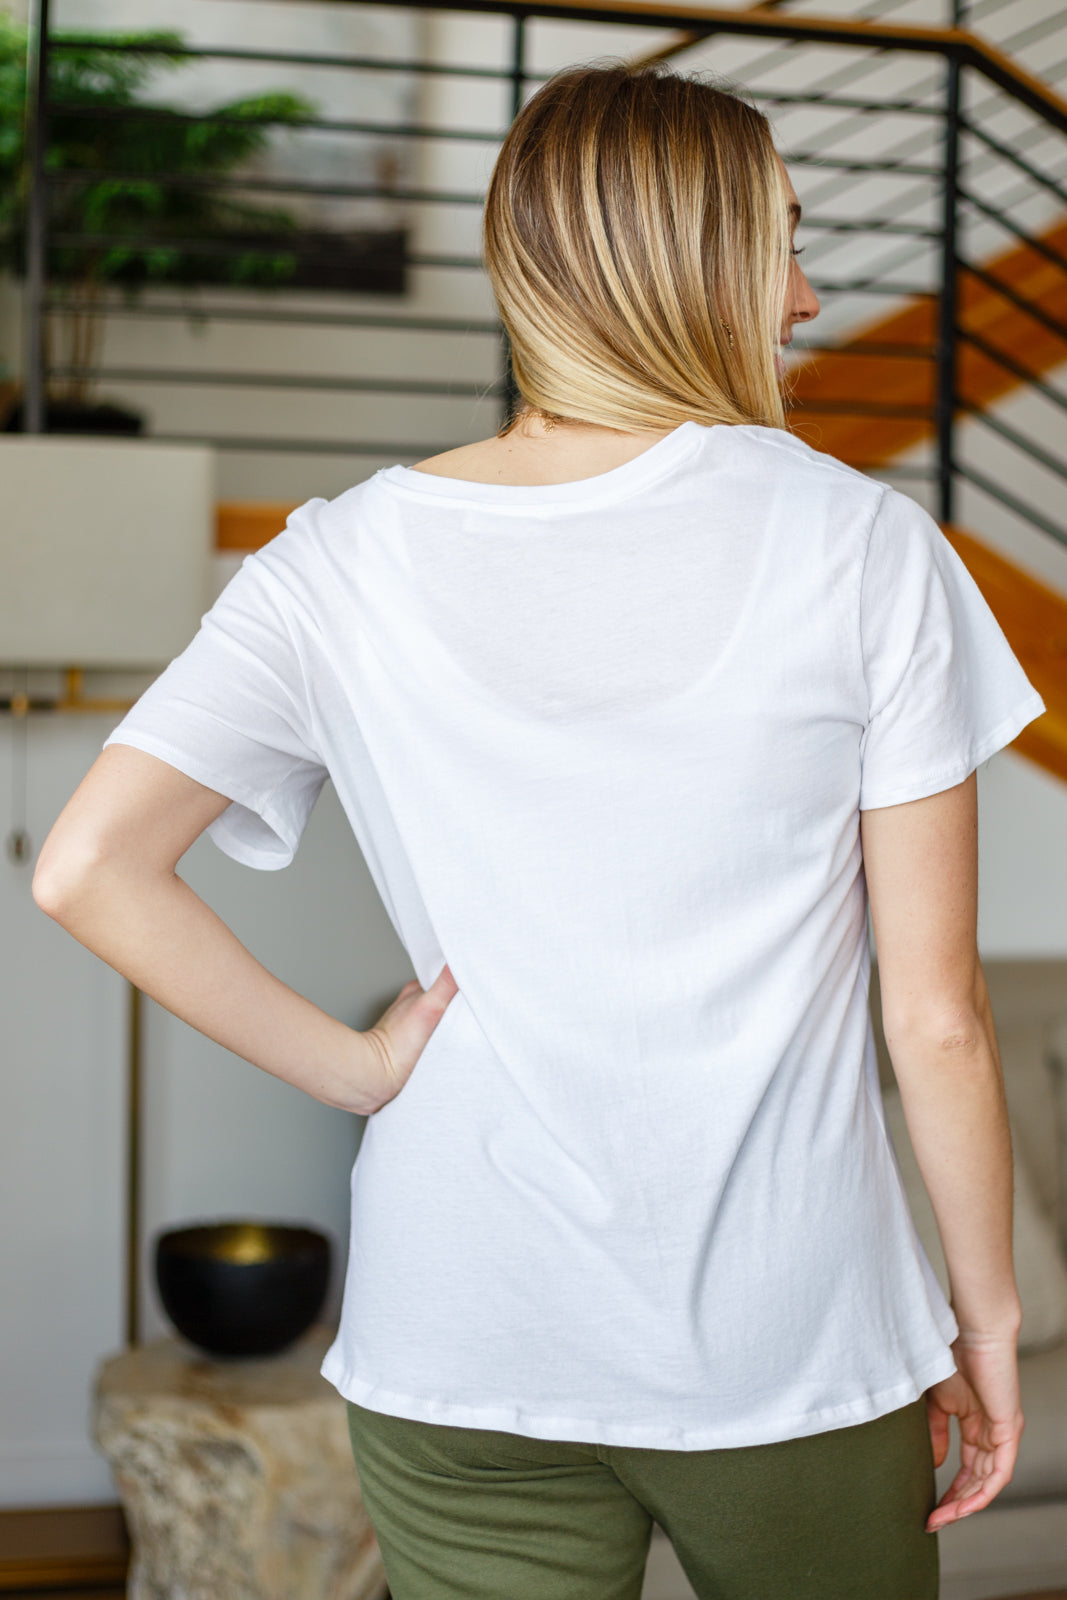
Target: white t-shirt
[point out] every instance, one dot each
(604, 746)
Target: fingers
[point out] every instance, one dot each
(938, 1418)
(975, 1485)
(968, 1504)
(443, 987)
(982, 1394)
(400, 1034)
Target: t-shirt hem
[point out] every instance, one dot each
(919, 786)
(585, 1430)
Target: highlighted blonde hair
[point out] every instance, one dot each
(637, 239)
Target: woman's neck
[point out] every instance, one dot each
(535, 452)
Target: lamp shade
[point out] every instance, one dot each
(105, 550)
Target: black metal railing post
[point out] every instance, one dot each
(948, 309)
(33, 383)
(518, 86)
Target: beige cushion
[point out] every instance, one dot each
(1030, 1086)
(1057, 1063)
(1040, 1269)
(1042, 1465)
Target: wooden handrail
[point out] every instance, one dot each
(999, 66)
(687, 41)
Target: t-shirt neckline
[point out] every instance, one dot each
(617, 481)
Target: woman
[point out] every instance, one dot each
(631, 708)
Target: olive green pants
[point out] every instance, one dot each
(476, 1514)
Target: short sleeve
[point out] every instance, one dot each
(945, 691)
(232, 712)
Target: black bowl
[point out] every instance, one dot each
(242, 1288)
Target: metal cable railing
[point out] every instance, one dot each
(940, 187)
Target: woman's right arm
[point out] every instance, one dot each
(107, 874)
(921, 866)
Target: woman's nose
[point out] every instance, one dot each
(806, 302)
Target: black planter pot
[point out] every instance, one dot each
(242, 1288)
(67, 416)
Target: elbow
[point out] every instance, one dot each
(952, 1034)
(59, 879)
(51, 891)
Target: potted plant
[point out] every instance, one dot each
(130, 198)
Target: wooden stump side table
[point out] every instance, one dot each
(236, 1477)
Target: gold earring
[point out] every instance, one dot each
(729, 331)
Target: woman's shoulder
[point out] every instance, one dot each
(292, 568)
(800, 485)
(804, 457)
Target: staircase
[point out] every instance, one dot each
(995, 328)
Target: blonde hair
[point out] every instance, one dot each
(637, 239)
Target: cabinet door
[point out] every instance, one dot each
(62, 1151)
